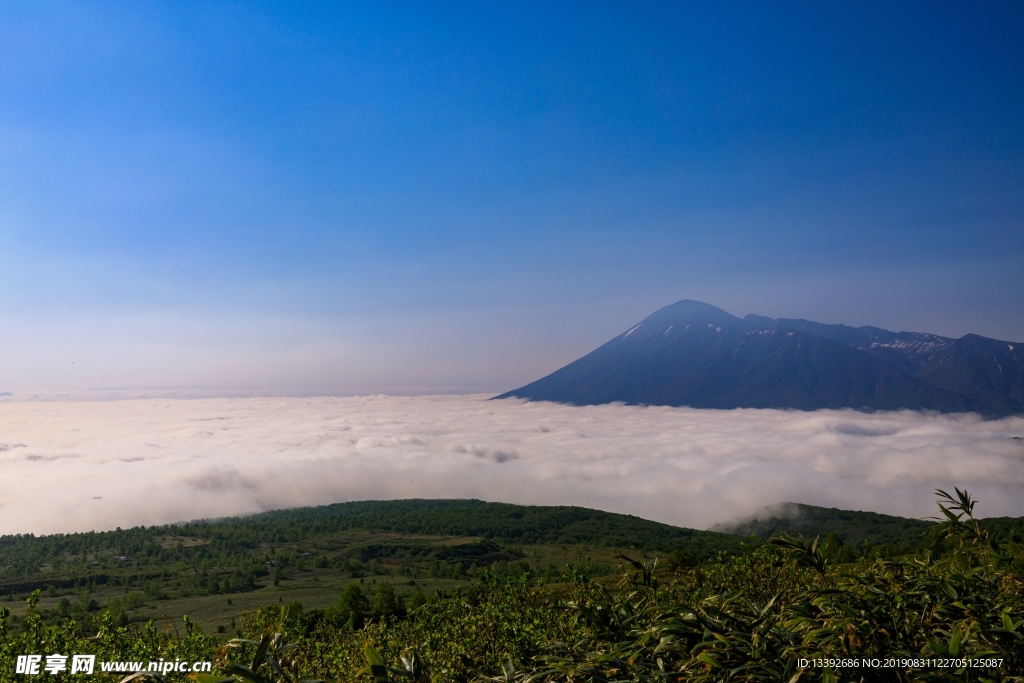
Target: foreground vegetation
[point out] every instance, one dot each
(770, 612)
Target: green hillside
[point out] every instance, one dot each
(520, 524)
(853, 527)
(221, 540)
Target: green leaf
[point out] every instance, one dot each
(1008, 622)
(261, 652)
(277, 668)
(375, 662)
(372, 655)
(954, 641)
(142, 675)
(244, 672)
(708, 659)
(379, 672)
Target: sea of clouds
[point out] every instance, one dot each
(80, 465)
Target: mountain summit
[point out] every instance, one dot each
(694, 354)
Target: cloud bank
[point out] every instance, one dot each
(75, 466)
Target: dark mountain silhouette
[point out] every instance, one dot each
(694, 354)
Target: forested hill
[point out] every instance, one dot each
(501, 521)
(509, 524)
(853, 527)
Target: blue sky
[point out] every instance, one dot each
(283, 197)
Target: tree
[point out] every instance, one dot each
(352, 606)
(418, 600)
(386, 603)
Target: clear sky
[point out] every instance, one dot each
(287, 198)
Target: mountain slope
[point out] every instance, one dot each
(694, 354)
(989, 371)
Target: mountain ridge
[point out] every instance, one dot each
(695, 354)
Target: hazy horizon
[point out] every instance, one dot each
(215, 391)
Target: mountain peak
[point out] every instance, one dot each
(694, 354)
(690, 312)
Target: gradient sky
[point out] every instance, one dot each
(259, 197)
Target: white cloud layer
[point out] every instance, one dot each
(74, 466)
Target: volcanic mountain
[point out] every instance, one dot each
(694, 354)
